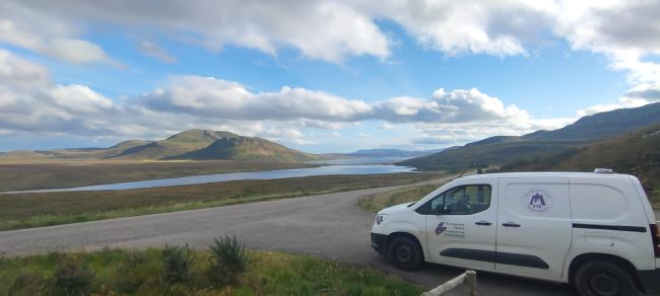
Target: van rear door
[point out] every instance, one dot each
(534, 226)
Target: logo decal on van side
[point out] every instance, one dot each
(441, 228)
(537, 201)
(451, 229)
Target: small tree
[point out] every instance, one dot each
(229, 259)
(178, 263)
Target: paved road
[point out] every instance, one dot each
(330, 226)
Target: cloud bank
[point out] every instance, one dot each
(31, 102)
(624, 31)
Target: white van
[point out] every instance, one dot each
(594, 230)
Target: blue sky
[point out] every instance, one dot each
(392, 78)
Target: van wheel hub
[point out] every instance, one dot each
(404, 253)
(604, 284)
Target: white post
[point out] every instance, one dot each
(471, 279)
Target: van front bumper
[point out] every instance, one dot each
(650, 281)
(379, 242)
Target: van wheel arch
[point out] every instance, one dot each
(593, 257)
(395, 235)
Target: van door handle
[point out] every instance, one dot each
(485, 223)
(510, 224)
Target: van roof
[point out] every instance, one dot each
(546, 174)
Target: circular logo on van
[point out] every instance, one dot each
(537, 201)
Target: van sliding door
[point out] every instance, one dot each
(534, 226)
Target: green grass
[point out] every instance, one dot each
(121, 272)
(44, 209)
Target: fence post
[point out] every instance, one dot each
(471, 279)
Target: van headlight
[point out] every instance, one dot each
(380, 218)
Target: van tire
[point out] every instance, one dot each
(405, 253)
(602, 278)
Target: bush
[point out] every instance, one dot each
(71, 278)
(229, 259)
(178, 263)
(27, 284)
(137, 269)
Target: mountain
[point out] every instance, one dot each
(247, 149)
(390, 153)
(175, 145)
(636, 153)
(130, 144)
(603, 125)
(502, 149)
(193, 144)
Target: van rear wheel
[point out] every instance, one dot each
(601, 278)
(405, 253)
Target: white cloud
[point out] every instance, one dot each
(154, 50)
(30, 102)
(454, 27)
(15, 70)
(624, 30)
(74, 50)
(386, 126)
(448, 107)
(205, 102)
(207, 96)
(40, 31)
(637, 96)
(325, 30)
(79, 99)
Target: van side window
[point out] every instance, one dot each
(462, 200)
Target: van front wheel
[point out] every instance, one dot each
(405, 253)
(601, 278)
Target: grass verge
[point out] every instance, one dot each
(45, 209)
(148, 272)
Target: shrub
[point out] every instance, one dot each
(28, 284)
(178, 263)
(137, 269)
(229, 259)
(71, 278)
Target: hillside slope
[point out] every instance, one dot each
(501, 149)
(247, 149)
(178, 144)
(636, 153)
(191, 145)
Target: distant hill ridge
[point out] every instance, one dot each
(390, 153)
(636, 152)
(247, 149)
(193, 144)
(502, 149)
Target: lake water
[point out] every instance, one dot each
(359, 166)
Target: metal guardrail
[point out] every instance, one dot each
(469, 278)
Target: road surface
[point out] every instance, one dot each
(330, 226)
